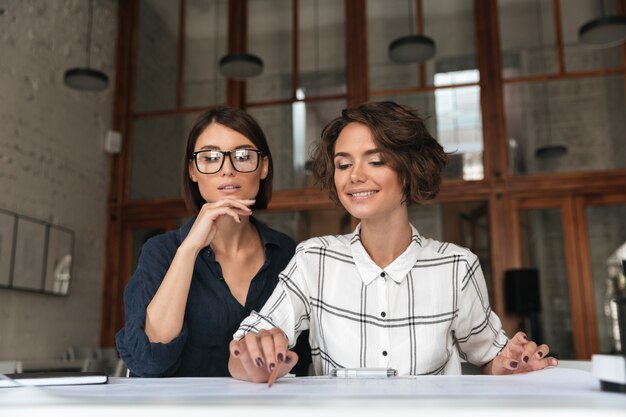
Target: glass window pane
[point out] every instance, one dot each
(453, 117)
(606, 227)
(585, 117)
(527, 37)
(387, 21)
(579, 57)
(157, 156)
(157, 46)
(542, 249)
(302, 225)
(464, 224)
(292, 131)
(205, 43)
(322, 59)
(270, 38)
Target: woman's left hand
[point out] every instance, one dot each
(520, 355)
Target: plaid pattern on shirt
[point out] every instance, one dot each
(419, 315)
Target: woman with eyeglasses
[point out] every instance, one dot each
(193, 286)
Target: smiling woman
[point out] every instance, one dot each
(383, 296)
(193, 286)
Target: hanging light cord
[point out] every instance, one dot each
(411, 19)
(316, 44)
(215, 33)
(89, 25)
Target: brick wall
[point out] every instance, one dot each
(52, 163)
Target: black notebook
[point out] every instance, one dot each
(53, 378)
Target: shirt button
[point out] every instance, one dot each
(382, 314)
(382, 274)
(384, 353)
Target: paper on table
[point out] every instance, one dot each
(554, 382)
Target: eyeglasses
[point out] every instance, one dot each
(211, 161)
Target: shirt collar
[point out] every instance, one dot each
(397, 270)
(267, 237)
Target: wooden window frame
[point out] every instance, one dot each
(504, 192)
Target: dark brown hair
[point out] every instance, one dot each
(241, 122)
(404, 141)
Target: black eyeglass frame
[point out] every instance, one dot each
(194, 158)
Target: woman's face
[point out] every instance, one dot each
(366, 185)
(227, 182)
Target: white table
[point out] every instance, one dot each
(554, 392)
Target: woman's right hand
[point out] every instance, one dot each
(256, 356)
(204, 228)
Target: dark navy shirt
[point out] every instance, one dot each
(212, 314)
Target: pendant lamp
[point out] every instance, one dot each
(411, 48)
(240, 65)
(604, 31)
(86, 78)
(549, 150)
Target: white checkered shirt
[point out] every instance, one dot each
(419, 315)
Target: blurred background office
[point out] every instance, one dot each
(531, 103)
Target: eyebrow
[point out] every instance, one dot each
(217, 148)
(366, 153)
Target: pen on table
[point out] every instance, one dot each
(363, 372)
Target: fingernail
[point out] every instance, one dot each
(525, 359)
(540, 354)
(272, 366)
(513, 364)
(280, 358)
(259, 362)
(524, 337)
(236, 352)
(287, 359)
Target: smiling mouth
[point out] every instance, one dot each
(229, 187)
(362, 194)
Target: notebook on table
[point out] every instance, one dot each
(41, 379)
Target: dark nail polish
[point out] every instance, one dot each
(525, 359)
(525, 338)
(540, 354)
(236, 353)
(259, 362)
(272, 366)
(513, 364)
(287, 360)
(280, 358)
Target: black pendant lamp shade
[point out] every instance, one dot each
(412, 49)
(604, 31)
(85, 78)
(550, 151)
(241, 66)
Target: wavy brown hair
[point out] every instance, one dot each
(241, 122)
(404, 141)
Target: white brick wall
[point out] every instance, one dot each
(52, 163)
